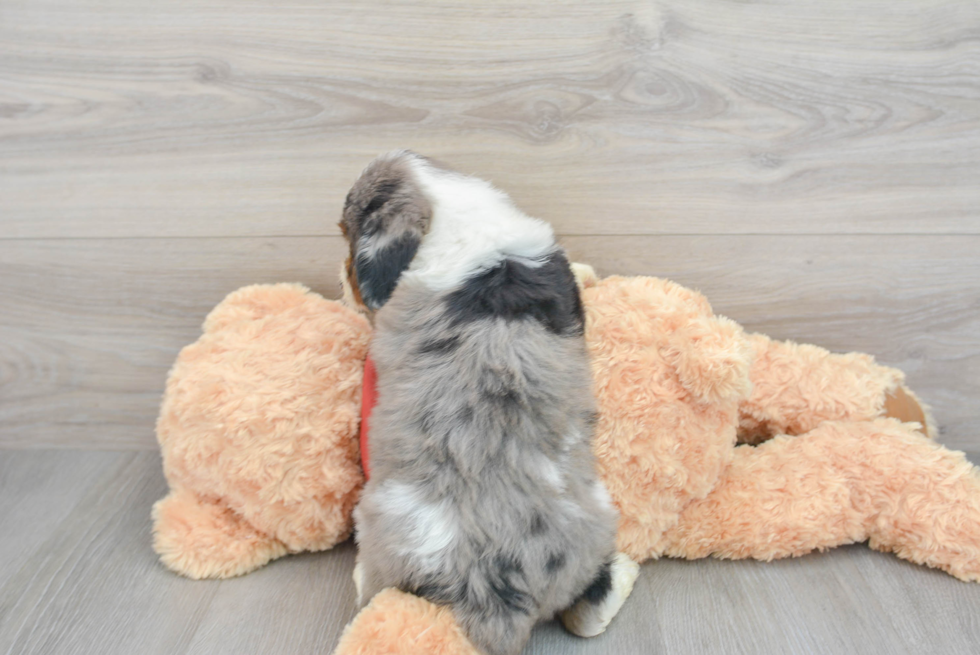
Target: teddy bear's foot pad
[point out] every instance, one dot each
(902, 404)
(590, 619)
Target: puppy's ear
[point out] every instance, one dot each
(378, 269)
(385, 217)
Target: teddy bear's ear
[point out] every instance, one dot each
(712, 358)
(585, 275)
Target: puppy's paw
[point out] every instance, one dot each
(589, 618)
(359, 583)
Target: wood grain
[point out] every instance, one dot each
(92, 584)
(298, 605)
(91, 327)
(123, 119)
(812, 167)
(50, 483)
(95, 583)
(913, 302)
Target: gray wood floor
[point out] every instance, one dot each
(813, 167)
(78, 576)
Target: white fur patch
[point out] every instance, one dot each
(550, 473)
(347, 292)
(370, 246)
(359, 582)
(601, 495)
(428, 527)
(573, 438)
(586, 619)
(474, 226)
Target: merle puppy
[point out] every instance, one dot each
(483, 493)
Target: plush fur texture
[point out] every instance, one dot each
(483, 494)
(796, 387)
(671, 379)
(843, 482)
(397, 623)
(258, 433)
(679, 388)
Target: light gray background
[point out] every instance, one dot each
(813, 167)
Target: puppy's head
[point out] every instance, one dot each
(385, 218)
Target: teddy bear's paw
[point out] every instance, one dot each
(902, 404)
(397, 623)
(589, 619)
(585, 275)
(204, 539)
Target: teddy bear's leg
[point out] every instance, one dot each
(795, 387)
(396, 623)
(785, 497)
(202, 539)
(844, 482)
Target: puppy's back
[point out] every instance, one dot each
(483, 493)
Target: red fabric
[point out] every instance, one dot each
(369, 398)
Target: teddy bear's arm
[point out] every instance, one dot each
(397, 623)
(844, 482)
(795, 387)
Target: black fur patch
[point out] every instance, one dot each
(440, 593)
(538, 526)
(440, 346)
(601, 585)
(505, 400)
(506, 581)
(503, 391)
(555, 563)
(382, 194)
(378, 275)
(465, 414)
(513, 290)
(426, 421)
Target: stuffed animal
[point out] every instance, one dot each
(258, 431)
(710, 441)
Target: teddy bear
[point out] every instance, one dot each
(711, 442)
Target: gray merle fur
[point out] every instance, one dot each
(482, 389)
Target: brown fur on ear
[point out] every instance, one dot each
(385, 217)
(349, 276)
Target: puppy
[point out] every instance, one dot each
(483, 493)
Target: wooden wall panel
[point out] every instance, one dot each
(90, 328)
(813, 167)
(124, 119)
